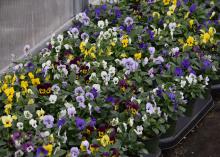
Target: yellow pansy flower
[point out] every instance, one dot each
(7, 121)
(31, 75)
(8, 108)
(123, 55)
(35, 81)
(191, 23)
(212, 31)
(40, 113)
(22, 77)
(24, 84)
(166, 2)
(125, 41)
(30, 101)
(138, 56)
(82, 46)
(9, 91)
(205, 37)
(49, 149)
(105, 140)
(190, 41)
(5, 86)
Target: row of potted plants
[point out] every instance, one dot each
(111, 84)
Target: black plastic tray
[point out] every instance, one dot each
(185, 124)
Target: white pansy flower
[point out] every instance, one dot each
(131, 121)
(53, 98)
(111, 71)
(207, 80)
(144, 118)
(115, 80)
(182, 83)
(58, 48)
(19, 153)
(104, 64)
(125, 126)
(27, 115)
(45, 134)
(101, 24)
(145, 61)
(60, 38)
(20, 126)
(33, 123)
(139, 130)
(149, 108)
(115, 121)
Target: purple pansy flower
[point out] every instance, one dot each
(74, 152)
(80, 123)
(61, 122)
(90, 96)
(41, 152)
(48, 121)
(192, 8)
(79, 91)
(178, 71)
(185, 63)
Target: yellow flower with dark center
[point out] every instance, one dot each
(35, 81)
(7, 121)
(138, 56)
(124, 41)
(40, 113)
(31, 75)
(205, 37)
(190, 41)
(101, 134)
(49, 149)
(166, 2)
(42, 91)
(5, 86)
(93, 148)
(13, 79)
(9, 91)
(24, 84)
(105, 140)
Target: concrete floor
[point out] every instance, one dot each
(204, 141)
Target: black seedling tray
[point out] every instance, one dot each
(185, 124)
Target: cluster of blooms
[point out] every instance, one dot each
(111, 82)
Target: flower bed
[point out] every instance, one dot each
(111, 83)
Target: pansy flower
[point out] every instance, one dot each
(44, 89)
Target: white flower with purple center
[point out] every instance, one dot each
(149, 108)
(79, 91)
(75, 32)
(128, 21)
(71, 111)
(74, 152)
(84, 36)
(130, 65)
(81, 100)
(89, 96)
(151, 50)
(55, 88)
(48, 121)
(158, 60)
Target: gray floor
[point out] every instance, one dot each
(29, 21)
